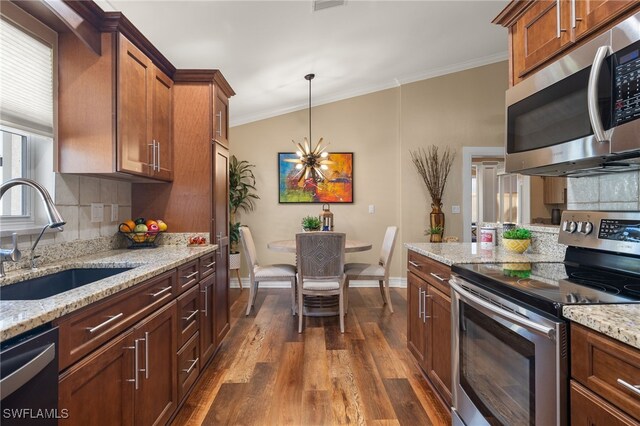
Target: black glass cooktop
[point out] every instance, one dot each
(549, 286)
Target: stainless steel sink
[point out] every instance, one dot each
(50, 285)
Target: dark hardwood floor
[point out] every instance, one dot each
(267, 374)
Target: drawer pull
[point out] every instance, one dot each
(192, 366)
(206, 312)
(104, 324)
(414, 264)
(188, 277)
(164, 290)
(190, 317)
(438, 277)
(146, 354)
(633, 388)
(211, 265)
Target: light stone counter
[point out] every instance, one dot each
(450, 253)
(621, 322)
(22, 315)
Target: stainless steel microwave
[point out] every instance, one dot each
(580, 115)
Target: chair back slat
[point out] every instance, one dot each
(388, 245)
(249, 247)
(320, 255)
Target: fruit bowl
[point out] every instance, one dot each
(141, 239)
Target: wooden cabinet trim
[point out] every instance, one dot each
(588, 409)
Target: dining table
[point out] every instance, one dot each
(319, 306)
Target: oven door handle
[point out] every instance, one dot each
(524, 322)
(592, 94)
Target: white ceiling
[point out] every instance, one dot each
(265, 48)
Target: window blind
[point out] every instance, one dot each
(26, 80)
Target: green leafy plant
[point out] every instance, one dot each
(517, 234)
(311, 223)
(435, 230)
(241, 196)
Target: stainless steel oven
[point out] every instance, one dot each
(580, 115)
(509, 362)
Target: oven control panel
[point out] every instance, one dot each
(609, 231)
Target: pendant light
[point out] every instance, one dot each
(311, 161)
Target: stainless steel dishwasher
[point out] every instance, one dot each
(29, 379)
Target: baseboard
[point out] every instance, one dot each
(393, 282)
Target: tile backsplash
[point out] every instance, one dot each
(616, 191)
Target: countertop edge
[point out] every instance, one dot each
(620, 321)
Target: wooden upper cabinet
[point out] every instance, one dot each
(221, 118)
(115, 110)
(541, 31)
(554, 190)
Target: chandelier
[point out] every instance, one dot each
(311, 162)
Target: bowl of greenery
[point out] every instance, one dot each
(311, 223)
(516, 240)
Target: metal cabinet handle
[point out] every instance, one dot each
(559, 29)
(206, 313)
(22, 375)
(218, 239)
(188, 277)
(414, 264)
(219, 129)
(135, 363)
(192, 366)
(190, 317)
(164, 290)
(438, 277)
(424, 305)
(592, 94)
(158, 153)
(211, 265)
(633, 388)
(152, 164)
(146, 355)
(420, 302)
(104, 324)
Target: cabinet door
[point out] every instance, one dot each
(415, 324)
(554, 190)
(157, 396)
(207, 320)
(161, 125)
(135, 77)
(221, 232)
(439, 342)
(540, 33)
(593, 14)
(221, 118)
(587, 409)
(101, 386)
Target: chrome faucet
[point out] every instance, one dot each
(53, 215)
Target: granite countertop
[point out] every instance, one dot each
(22, 315)
(450, 253)
(621, 322)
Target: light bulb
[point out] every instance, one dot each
(324, 154)
(298, 166)
(299, 154)
(324, 167)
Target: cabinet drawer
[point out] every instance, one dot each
(85, 330)
(587, 409)
(603, 365)
(188, 313)
(188, 365)
(207, 264)
(435, 273)
(188, 275)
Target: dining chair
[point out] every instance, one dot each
(260, 273)
(379, 272)
(320, 258)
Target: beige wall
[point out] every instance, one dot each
(460, 109)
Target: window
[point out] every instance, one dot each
(28, 83)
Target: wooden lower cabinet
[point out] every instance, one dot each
(429, 322)
(588, 409)
(207, 319)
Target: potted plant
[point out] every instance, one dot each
(311, 223)
(435, 233)
(434, 167)
(516, 240)
(241, 197)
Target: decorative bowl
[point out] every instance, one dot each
(141, 239)
(516, 246)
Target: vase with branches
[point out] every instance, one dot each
(241, 196)
(434, 167)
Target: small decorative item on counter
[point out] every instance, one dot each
(451, 239)
(327, 218)
(435, 234)
(487, 237)
(142, 233)
(311, 223)
(517, 270)
(197, 240)
(516, 240)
